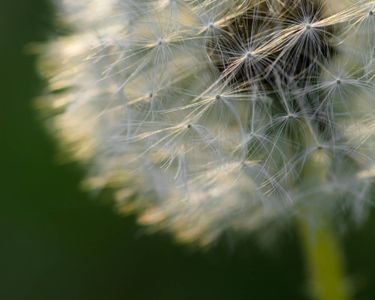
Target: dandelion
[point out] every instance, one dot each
(207, 116)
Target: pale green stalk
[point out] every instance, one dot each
(324, 261)
(322, 251)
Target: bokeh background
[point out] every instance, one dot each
(58, 242)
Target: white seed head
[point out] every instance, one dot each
(212, 115)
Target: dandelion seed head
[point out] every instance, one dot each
(205, 116)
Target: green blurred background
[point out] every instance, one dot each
(57, 242)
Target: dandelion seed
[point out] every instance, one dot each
(207, 116)
(210, 116)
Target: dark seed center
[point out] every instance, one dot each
(297, 59)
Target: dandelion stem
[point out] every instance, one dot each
(324, 261)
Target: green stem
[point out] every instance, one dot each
(324, 261)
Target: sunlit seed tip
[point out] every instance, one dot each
(249, 55)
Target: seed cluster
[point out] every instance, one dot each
(210, 115)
